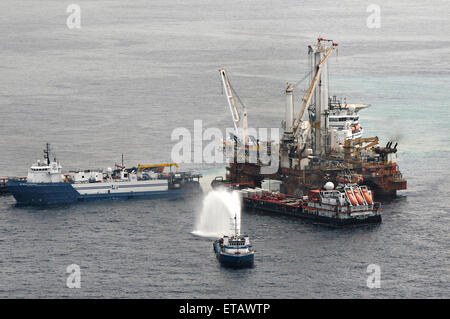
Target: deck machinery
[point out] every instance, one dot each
(322, 142)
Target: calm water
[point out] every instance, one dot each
(138, 69)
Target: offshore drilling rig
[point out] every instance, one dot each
(323, 142)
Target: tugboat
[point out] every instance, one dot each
(235, 251)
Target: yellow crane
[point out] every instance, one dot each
(142, 167)
(353, 147)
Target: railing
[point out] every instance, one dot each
(3, 181)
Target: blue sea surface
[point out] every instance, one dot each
(136, 70)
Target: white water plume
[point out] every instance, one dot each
(217, 218)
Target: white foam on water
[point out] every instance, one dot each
(216, 218)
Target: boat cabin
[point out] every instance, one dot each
(41, 172)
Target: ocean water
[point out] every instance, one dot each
(136, 70)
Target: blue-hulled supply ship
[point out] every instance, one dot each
(46, 184)
(235, 250)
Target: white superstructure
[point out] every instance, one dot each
(45, 172)
(236, 245)
(343, 122)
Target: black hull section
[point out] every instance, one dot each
(298, 212)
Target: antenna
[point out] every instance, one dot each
(47, 153)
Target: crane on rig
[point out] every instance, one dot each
(355, 146)
(235, 114)
(298, 124)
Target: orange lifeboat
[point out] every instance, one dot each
(367, 196)
(359, 197)
(351, 197)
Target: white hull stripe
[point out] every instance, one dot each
(79, 187)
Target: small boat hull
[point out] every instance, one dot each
(233, 260)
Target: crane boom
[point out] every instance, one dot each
(142, 167)
(307, 98)
(235, 115)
